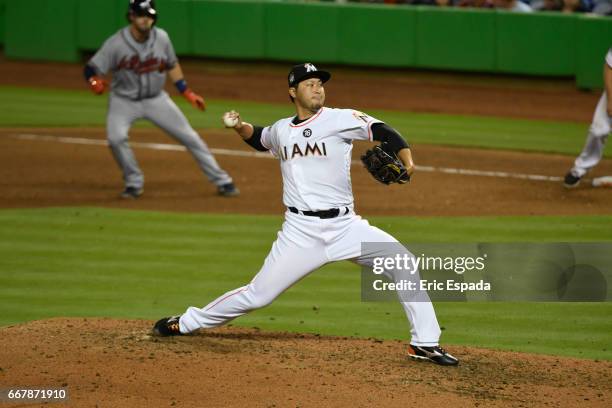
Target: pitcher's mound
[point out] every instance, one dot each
(116, 363)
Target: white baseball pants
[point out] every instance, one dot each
(596, 140)
(304, 244)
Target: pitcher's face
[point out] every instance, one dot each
(309, 94)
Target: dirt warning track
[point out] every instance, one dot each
(356, 87)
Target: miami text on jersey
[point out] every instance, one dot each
(308, 150)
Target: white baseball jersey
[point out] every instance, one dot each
(315, 156)
(609, 58)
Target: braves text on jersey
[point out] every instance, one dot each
(139, 69)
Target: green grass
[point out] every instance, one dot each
(131, 264)
(31, 107)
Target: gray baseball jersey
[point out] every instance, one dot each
(139, 69)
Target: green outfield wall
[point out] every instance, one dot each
(546, 44)
(41, 29)
(2, 20)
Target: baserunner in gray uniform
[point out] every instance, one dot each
(139, 56)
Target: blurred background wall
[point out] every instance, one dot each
(467, 39)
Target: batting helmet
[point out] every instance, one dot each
(142, 8)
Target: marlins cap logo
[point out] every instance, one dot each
(305, 71)
(310, 68)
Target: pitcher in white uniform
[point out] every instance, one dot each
(598, 134)
(314, 149)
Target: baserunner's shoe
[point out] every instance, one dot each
(435, 354)
(228, 190)
(168, 326)
(132, 192)
(605, 181)
(571, 180)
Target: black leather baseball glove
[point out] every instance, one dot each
(384, 166)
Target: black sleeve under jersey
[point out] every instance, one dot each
(88, 72)
(255, 140)
(381, 132)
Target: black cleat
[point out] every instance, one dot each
(435, 354)
(228, 190)
(168, 326)
(132, 192)
(571, 180)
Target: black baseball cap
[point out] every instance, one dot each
(306, 71)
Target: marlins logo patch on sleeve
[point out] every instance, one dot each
(361, 116)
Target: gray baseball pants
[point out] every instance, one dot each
(164, 113)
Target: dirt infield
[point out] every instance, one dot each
(39, 173)
(116, 363)
(359, 88)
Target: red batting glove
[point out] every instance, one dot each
(97, 85)
(196, 100)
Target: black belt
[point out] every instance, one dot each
(331, 213)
